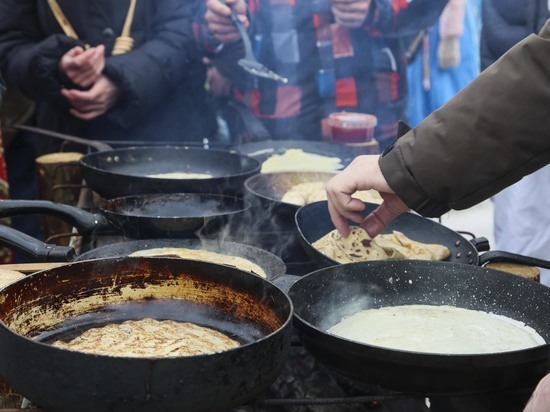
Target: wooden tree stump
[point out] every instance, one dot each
(59, 180)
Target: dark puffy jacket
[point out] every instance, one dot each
(161, 80)
(506, 22)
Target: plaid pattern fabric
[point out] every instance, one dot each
(330, 67)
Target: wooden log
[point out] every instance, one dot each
(59, 180)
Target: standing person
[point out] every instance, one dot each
(504, 23)
(336, 54)
(447, 59)
(107, 70)
(118, 70)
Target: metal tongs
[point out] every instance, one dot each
(249, 62)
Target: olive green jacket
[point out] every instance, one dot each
(490, 135)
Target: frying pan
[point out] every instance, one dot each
(64, 301)
(313, 222)
(323, 297)
(262, 150)
(264, 191)
(175, 215)
(272, 265)
(127, 171)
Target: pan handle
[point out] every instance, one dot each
(507, 257)
(39, 251)
(84, 222)
(95, 144)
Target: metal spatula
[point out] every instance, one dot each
(249, 62)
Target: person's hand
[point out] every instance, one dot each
(350, 13)
(540, 399)
(216, 82)
(94, 102)
(83, 67)
(363, 173)
(218, 19)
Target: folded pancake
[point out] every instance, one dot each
(205, 256)
(360, 247)
(150, 338)
(308, 192)
(357, 247)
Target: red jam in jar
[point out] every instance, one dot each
(350, 127)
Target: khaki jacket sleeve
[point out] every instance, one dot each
(490, 135)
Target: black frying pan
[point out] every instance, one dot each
(323, 297)
(59, 302)
(176, 215)
(313, 222)
(127, 171)
(265, 191)
(39, 251)
(264, 149)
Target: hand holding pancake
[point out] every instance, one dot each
(363, 173)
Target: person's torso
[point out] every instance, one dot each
(506, 22)
(329, 67)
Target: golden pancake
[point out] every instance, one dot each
(205, 256)
(359, 247)
(150, 338)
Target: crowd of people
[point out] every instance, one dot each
(470, 76)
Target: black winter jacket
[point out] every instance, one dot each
(161, 80)
(506, 22)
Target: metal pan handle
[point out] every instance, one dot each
(507, 257)
(84, 222)
(39, 251)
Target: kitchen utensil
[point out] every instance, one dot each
(249, 62)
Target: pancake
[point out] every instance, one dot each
(205, 256)
(296, 160)
(180, 175)
(150, 338)
(308, 192)
(437, 329)
(359, 247)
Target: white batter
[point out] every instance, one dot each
(180, 175)
(437, 329)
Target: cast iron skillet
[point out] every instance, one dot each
(264, 191)
(313, 222)
(262, 150)
(175, 215)
(126, 171)
(39, 251)
(323, 297)
(63, 301)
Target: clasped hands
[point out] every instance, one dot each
(349, 13)
(84, 68)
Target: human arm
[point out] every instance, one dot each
(490, 135)
(30, 58)
(540, 399)
(145, 75)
